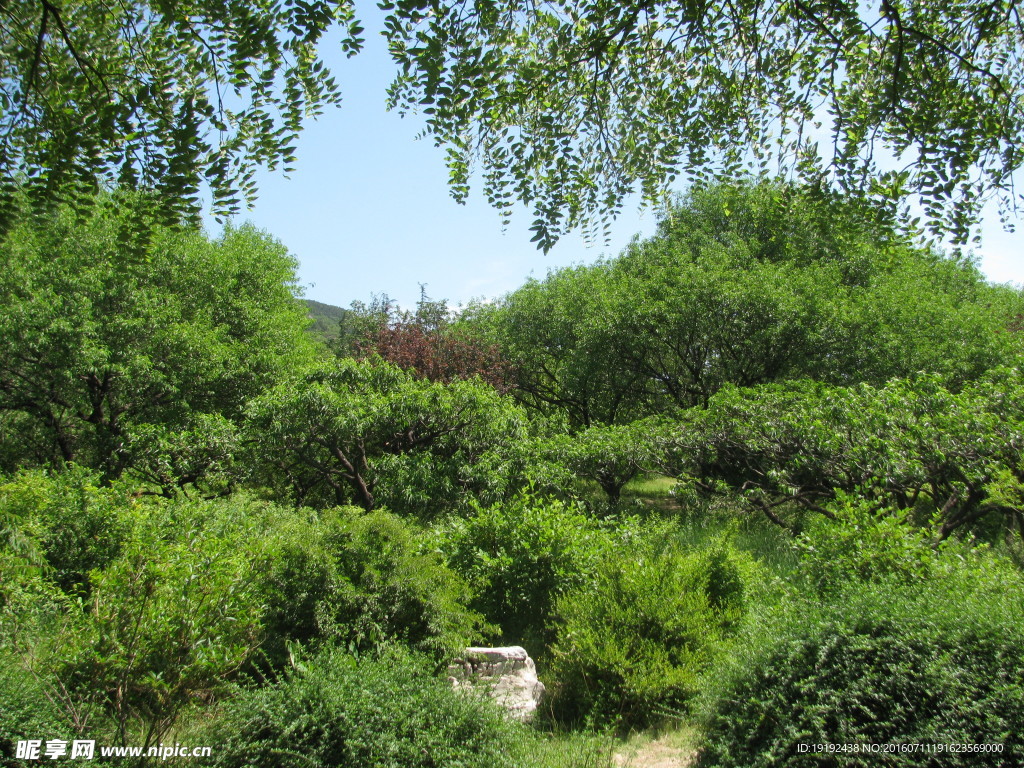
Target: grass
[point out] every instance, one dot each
(655, 491)
(651, 487)
(702, 520)
(581, 749)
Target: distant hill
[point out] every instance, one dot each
(326, 318)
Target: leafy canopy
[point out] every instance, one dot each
(569, 106)
(745, 284)
(368, 433)
(166, 94)
(914, 445)
(105, 347)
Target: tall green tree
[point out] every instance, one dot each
(368, 433)
(102, 344)
(569, 106)
(610, 455)
(559, 338)
(764, 282)
(746, 284)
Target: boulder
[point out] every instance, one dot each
(507, 675)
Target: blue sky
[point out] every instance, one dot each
(367, 208)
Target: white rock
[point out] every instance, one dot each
(507, 675)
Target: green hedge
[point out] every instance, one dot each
(888, 662)
(336, 710)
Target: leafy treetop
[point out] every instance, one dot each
(745, 284)
(107, 340)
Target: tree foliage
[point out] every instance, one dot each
(106, 342)
(746, 284)
(370, 434)
(558, 337)
(571, 105)
(163, 95)
(913, 445)
(567, 106)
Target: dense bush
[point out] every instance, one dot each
(862, 544)
(181, 593)
(520, 557)
(335, 710)
(27, 711)
(359, 579)
(888, 661)
(632, 646)
(172, 606)
(76, 525)
(31, 607)
(368, 433)
(168, 621)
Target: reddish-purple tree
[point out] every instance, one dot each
(429, 344)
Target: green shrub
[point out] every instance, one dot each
(35, 616)
(78, 525)
(27, 710)
(633, 646)
(520, 557)
(360, 579)
(864, 544)
(932, 661)
(337, 710)
(168, 622)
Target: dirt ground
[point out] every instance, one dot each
(670, 751)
